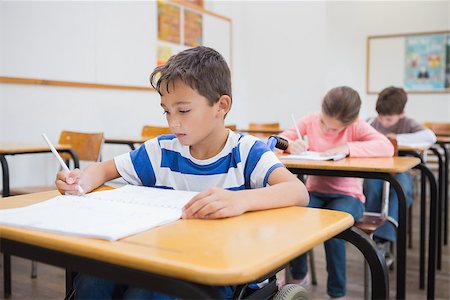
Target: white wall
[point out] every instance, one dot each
(349, 24)
(286, 55)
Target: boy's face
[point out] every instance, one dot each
(189, 115)
(390, 120)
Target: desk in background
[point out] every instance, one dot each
(186, 257)
(17, 148)
(383, 168)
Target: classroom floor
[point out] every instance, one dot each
(50, 283)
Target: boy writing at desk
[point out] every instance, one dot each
(233, 173)
(392, 122)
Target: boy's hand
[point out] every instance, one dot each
(214, 203)
(338, 150)
(391, 135)
(67, 183)
(297, 147)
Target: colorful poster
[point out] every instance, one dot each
(425, 62)
(163, 54)
(169, 20)
(193, 29)
(447, 65)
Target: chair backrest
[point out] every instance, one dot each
(232, 127)
(153, 131)
(442, 129)
(263, 127)
(395, 144)
(86, 145)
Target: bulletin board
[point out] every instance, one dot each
(418, 62)
(113, 44)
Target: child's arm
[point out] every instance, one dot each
(285, 190)
(425, 136)
(89, 179)
(367, 142)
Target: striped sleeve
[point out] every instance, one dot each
(260, 163)
(136, 166)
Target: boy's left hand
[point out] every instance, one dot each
(338, 150)
(391, 135)
(214, 203)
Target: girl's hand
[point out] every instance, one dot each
(297, 147)
(338, 150)
(67, 183)
(214, 203)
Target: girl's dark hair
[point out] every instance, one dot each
(201, 68)
(342, 103)
(391, 101)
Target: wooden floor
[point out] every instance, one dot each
(51, 281)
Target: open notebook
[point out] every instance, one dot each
(108, 215)
(312, 155)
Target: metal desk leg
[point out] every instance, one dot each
(7, 275)
(440, 206)
(380, 282)
(401, 236)
(432, 240)
(423, 213)
(5, 176)
(445, 199)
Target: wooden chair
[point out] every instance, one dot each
(151, 131)
(263, 127)
(440, 129)
(232, 127)
(87, 147)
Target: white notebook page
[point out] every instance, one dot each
(312, 155)
(108, 215)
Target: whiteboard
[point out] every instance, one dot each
(91, 42)
(386, 60)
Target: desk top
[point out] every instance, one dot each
(128, 140)
(217, 252)
(265, 131)
(373, 164)
(14, 148)
(415, 148)
(443, 139)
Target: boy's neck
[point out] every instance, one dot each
(210, 146)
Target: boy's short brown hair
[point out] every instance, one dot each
(201, 68)
(391, 101)
(342, 103)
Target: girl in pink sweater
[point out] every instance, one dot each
(336, 130)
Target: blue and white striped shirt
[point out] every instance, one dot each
(163, 162)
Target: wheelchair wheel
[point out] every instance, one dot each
(292, 292)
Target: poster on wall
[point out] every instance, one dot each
(169, 22)
(193, 29)
(163, 53)
(425, 65)
(447, 65)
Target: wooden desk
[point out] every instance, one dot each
(252, 131)
(130, 141)
(20, 148)
(186, 257)
(382, 168)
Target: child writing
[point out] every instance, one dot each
(233, 173)
(392, 122)
(335, 130)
